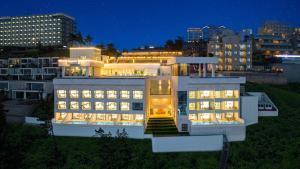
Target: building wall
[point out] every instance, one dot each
(249, 109)
(34, 30)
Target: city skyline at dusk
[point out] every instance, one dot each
(155, 22)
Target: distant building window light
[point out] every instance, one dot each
(61, 94)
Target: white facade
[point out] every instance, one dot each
(183, 96)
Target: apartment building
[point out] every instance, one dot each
(174, 95)
(36, 30)
(273, 38)
(28, 78)
(233, 50)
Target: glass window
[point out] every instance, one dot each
(99, 94)
(114, 117)
(111, 106)
(205, 93)
(228, 104)
(127, 117)
(100, 117)
(192, 116)
(204, 116)
(86, 94)
(137, 106)
(86, 105)
(77, 116)
(74, 94)
(218, 116)
(124, 106)
(99, 106)
(139, 117)
(192, 94)
(74, 105)
(138, 94)
(204, 105)
(125, 94)
(192, 106)
(182, 102)
(217, 105)
(61, 105)
(111, 94)
(61, 93)
(228, 93)
(229, 116)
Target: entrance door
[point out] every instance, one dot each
(160, 107)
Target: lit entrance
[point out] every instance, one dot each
(160, 114)
(160, 106)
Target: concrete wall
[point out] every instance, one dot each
(88, 130)
(234, 132)
(187, 143)
(260, 77)
(249, 109)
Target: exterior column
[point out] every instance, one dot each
(213, 67)
(204, 71)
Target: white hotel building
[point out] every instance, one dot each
(152, 95)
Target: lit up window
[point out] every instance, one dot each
(86, 94)
(204, 105)
(61, 105)
(218, 116)
(205, 93)
(228, 93)
(124, 106)
(192, 94)
(61, 93)
(217, 105)
(138, 94)
(229, 116)
(86, 105)
(111, 94)
(99, 94)
(127, 117)
(229, 104)
(114, 117)
(74, 94)
(192, 106)
(100, 117)
(139, 117)
(74, 105)
(77, 116)
(111, 106)
(192, 116)
(99, 106)
(204, 116)
(125, 94)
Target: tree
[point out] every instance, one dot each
(178, 45)
(88, 39)
(111, 50)
(169, 44)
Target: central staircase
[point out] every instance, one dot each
(161, 126)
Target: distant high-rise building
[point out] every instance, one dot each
(233, 50)
(209, 31)
(34, 30)
(194, 34)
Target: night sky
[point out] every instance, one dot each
(133, 23)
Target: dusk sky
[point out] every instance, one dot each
(133, 23)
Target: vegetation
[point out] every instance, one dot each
(176, 44)
(273, 143)
(109, 49)
(44, 110)
(78, 39)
